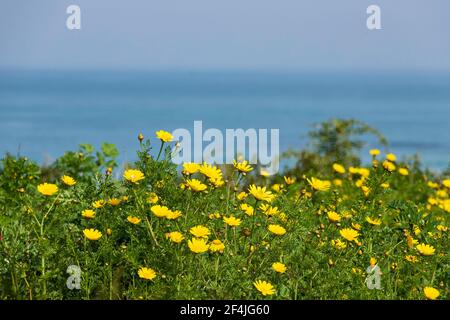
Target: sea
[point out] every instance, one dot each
(45, 113)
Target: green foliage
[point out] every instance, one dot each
(83, 163)
(333, 141)
(42, 235)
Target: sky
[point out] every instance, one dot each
(225, 35)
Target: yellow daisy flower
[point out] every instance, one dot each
(88, 213)
(264, 287)
(431, 293)
(217, 246)
(260, 193)
(164, 136)
(425, 249)
(190, 168)
(279, 267)
(196, 185)
(338, 168)
(319, 185)
(374, 221)
(133, 176)
(243, 166)
(198, 245)
(349, 234)
(146, 273)
(92, 234)
(232, 221)
(175, 236)
(47, 189)
(134, 220)
(69, 181)
(200, 231)
(277, 229)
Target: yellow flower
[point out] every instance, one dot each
(333, 216)
(210, 171)
(232, 221)
(279, 267)
(264, 173)
(442, 228)
(264, 287)
(216, 182)
(425, 249)
(47, 189)
(242, 195)
(389, 166)
(374, 152)
(277, 229)
(67, 180)
(88, 213)
(277, 187)
(366, 190)
(338, 244)
(385, 185)
(289, 180)
(133, 175)
(356, 226)
(433, 185)
(98, 204)
(446, 183)
(431, 293)
(247, 209)
(319, 185)
(175, 236)
(349, 234)
(134, 220)
(172, 215)
(363, 172)
(403, 171)
(375, 222)
(160, 211)
(92, 234)
(260, 193)
(373, 261)
(152, 198)
(190, 168)
(411, 258)
(338, 168)
(114, 202)
(268, 209)
(164, 136)
(146, 273)
(416, 230)
(198, 245)
(337, 182)
(196, 185)
(215, 215)
(243, 166)
(217, 246)
(441, 194)
(200, 231)
(391, 157)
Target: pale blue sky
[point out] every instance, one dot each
(226, 34)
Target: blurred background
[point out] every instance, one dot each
(145, 65)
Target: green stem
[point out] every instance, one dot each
(160, 150)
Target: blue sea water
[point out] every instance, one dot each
(44, 113)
